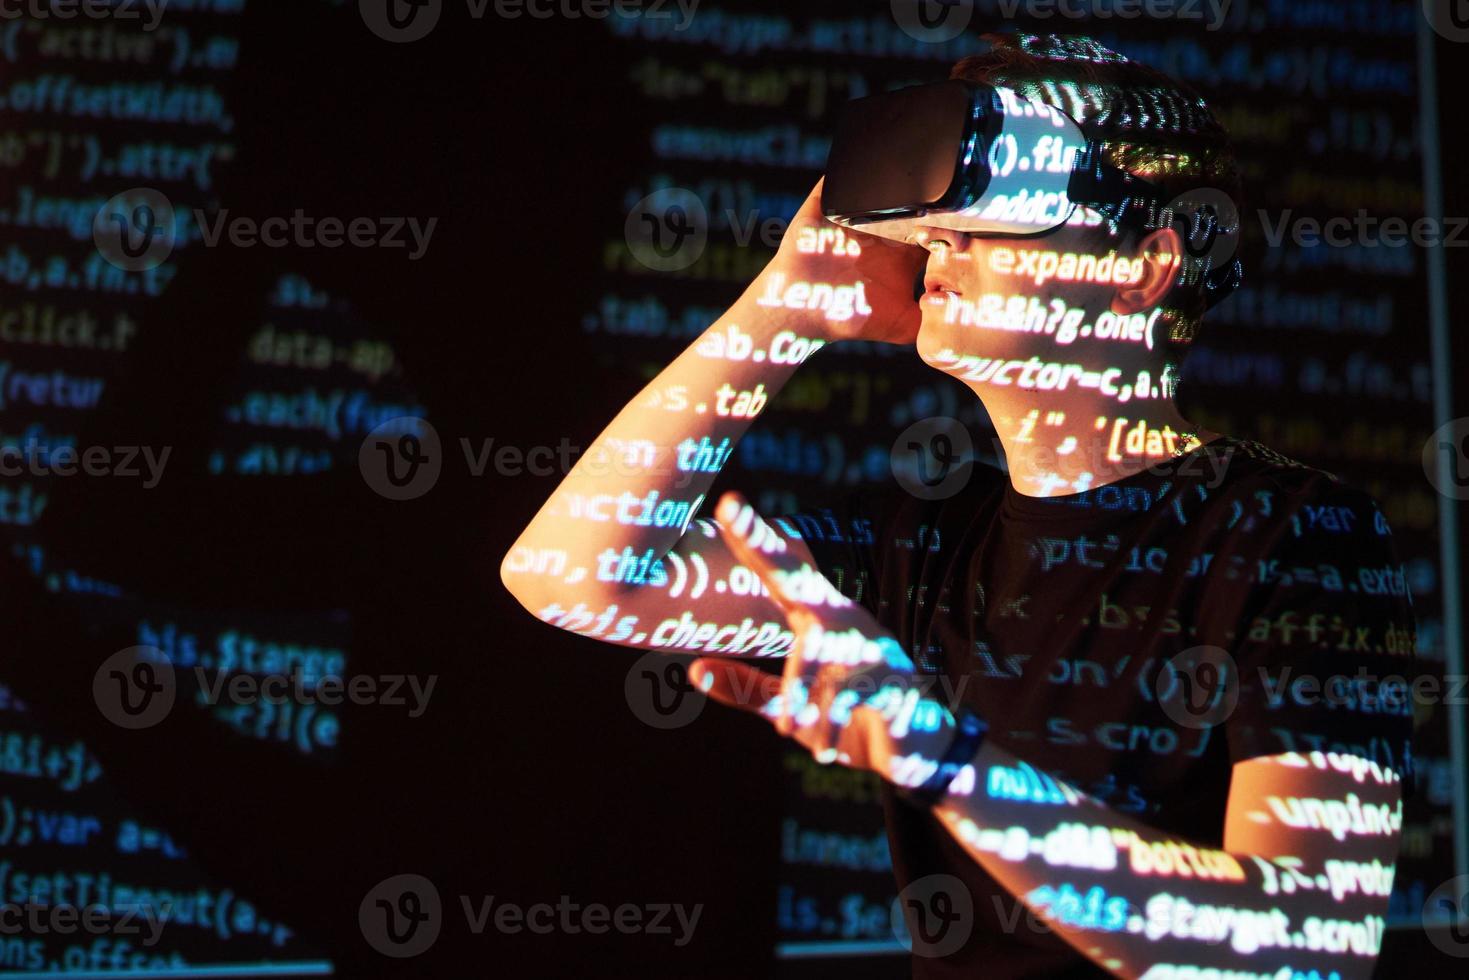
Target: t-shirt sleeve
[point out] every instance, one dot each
(1325, 644)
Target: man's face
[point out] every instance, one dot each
(1061, 337)
(1049, 297)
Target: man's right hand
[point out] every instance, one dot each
(817, 251)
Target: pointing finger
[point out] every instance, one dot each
(794, 583)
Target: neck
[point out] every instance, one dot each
(1054, 448)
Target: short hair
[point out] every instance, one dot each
(1147, 123)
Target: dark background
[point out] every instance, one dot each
(529, 778)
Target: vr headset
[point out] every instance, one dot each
(982, 159)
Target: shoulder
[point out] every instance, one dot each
(1311, 530)
(1304, 500)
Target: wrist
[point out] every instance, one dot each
(791, 296)
(966, 735)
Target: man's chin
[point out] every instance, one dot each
(935, 334)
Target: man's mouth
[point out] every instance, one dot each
(936, 284)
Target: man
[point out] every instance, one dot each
(1022, 658)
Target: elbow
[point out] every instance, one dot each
(524, 587)
(547, 591)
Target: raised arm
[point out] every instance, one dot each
(615, 552)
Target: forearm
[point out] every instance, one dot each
(1132, 898)
(645, 476)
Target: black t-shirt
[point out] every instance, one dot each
(1091, 631)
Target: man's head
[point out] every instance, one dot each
(1091, 292)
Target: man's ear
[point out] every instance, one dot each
(1162, 255)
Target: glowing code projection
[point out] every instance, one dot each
(1099, 590)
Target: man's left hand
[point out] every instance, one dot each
(849, 692)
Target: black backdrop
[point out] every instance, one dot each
(529, 778)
